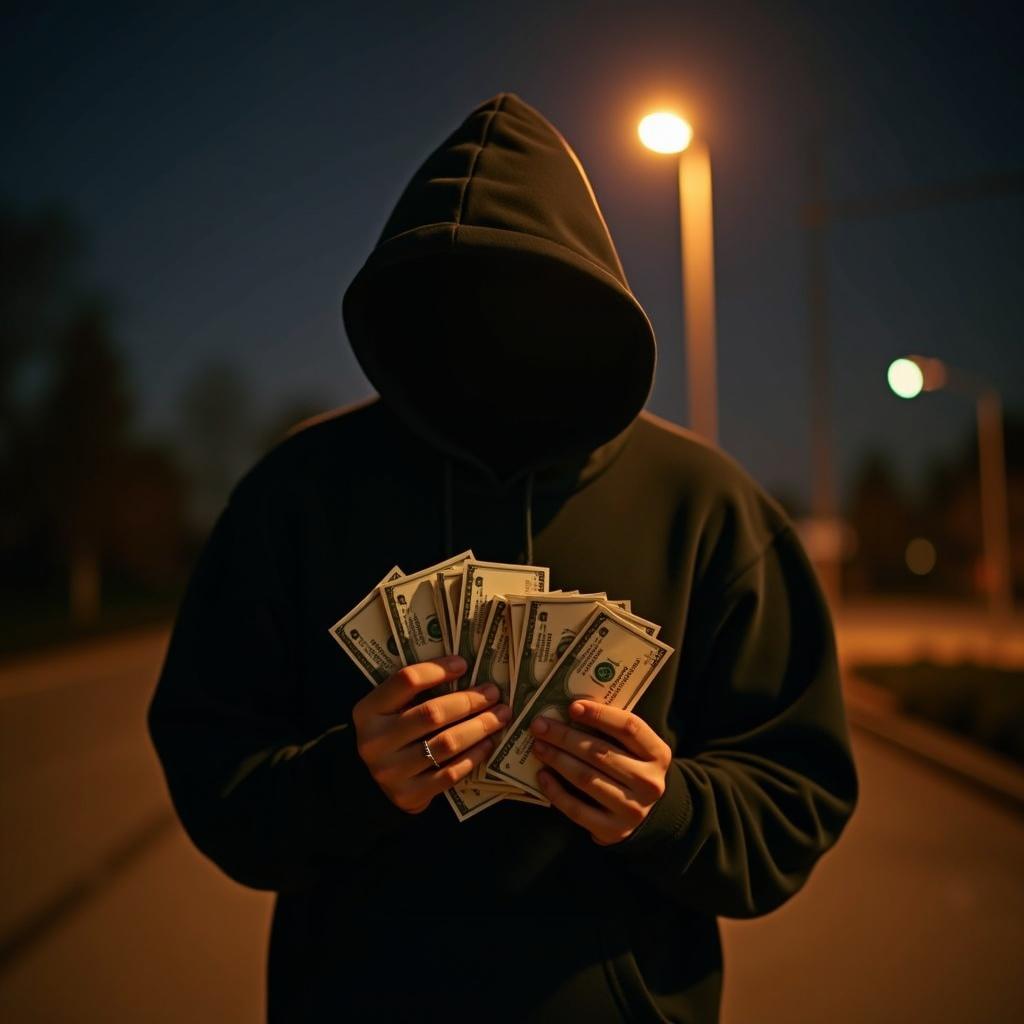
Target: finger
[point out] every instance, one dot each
(437, 780)
(629, 729)
(593, 819)
(595, 750)
(586, 778)
(427, 718)
(452, 742)
(403, 686)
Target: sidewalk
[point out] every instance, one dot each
(874, 710)
(899, 630)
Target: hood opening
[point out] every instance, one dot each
(502, 357)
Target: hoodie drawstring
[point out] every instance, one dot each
(527, 514)
(528, 517)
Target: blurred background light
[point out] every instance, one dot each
(920, 556)
(905, 378)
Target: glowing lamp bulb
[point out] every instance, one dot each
(905, 378)
(665, 133)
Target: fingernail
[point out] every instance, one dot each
(504, 712)
(539, 726)
(490, 691)
(455, 663)
(576, 710)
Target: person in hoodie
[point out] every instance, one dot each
(512, 364)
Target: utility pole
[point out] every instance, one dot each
(823, 496)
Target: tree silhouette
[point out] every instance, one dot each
(218, 434)
(84, 423)
(880, 514)
(39, 253)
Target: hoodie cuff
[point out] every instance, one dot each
(668, 819)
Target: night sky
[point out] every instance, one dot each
(234, 165)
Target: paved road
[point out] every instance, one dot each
(917, 914)
(108, 914)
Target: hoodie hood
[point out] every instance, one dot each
(493, 315)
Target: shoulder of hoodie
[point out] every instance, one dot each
(720, 509)
(313, 453)
(723, 511)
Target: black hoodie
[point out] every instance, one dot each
(512, 363)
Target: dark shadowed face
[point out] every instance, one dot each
(503, 355)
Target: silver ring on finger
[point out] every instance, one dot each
(429, 754)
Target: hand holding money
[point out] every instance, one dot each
(540, 649)
(391, 727)
(622, 768)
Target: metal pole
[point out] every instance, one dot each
(995, 525)
(697, 233)
(823, 489)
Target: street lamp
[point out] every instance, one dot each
(665, 132)
(911, 375)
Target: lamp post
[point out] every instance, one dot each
(911, 375)
(665, 132)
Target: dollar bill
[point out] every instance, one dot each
(437, 585)
(650, 628)
(480, 582)
(446, 587)
(550, 624)
(528, 798)
(411, 613)
(365, 635)
(492, 666)
(511, 792)
(611, 660)
(492, 663)
(467, 799)
(452, 596)
(515, 610)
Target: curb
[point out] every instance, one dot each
(873, 710)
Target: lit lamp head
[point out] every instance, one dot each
(911, 375)
(665, 132)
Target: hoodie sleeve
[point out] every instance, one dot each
(268, 803)
(764, 780)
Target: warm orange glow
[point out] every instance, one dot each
(665, 132)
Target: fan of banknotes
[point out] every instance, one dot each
(542, 648)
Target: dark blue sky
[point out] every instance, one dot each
(235, 164)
